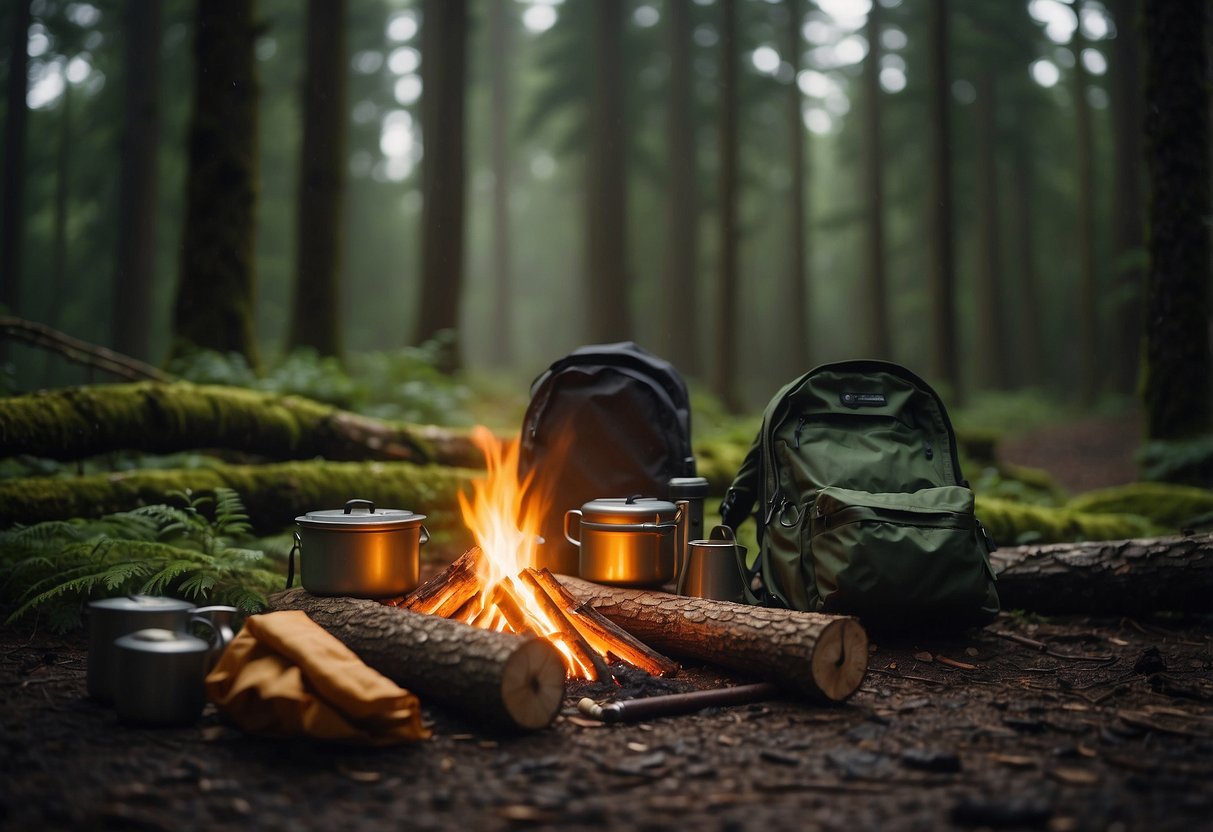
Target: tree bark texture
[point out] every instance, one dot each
(797, 316)
(991, 344)
(1120, 577)
(822, 656)
(1178, 366)
(12, 199)
(1090, 366)
(501, 681)
(274, 494)
(680, 296)
(138, 181)
(61, 255)
(215, 296)
(610, 317)
(941, 264)
(77, 422)
(316, 307)
(443, 73)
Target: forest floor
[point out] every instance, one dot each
(1111, 727)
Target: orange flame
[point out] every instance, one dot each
(506, 528)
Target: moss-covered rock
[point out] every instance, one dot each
(1011, 523)
(1174, 507)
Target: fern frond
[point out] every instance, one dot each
(231, 517)
(244, 599)
(158, 583)
(197, 585)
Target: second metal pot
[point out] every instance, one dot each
(626, 542)
(359, 551)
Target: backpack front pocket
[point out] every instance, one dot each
(916, 557)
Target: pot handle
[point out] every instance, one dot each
(290, 562)
(425, 536)
(218, 639)
(567, 515)
(369, 505)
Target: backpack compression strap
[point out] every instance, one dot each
(743, 493)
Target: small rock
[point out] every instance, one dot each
(1150, 661)
(924, 656)
(931, 759)
(783, 758)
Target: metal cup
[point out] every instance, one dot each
(111, 618)
(715, 568)
(161, 672)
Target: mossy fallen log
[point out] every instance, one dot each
(1010, 523)
(274, 494)
(1165, 504)
(152, 417)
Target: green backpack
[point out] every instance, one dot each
(861, 505)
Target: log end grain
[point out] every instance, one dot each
(840, 659)
(532, 684)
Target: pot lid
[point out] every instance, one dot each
(141, 603)
(688, 488)
(360, 514)
(635, 509)
(157, 640)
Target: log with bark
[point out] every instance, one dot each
(274, 494)
(80, 352)
(153, 417)
(822, 656)
(1118, 577)
(501, 681)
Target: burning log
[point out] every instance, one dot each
(446, 593)
(499, 679)
(824, 656)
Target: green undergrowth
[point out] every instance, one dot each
(198, 548)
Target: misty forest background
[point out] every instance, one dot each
(409, 209)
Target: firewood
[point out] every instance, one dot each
(571, 638)
(502, 680)
(823, 656)
(600, 632)
(450, 589)
(1120, 577)
(505, 599)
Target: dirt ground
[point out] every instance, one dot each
(1056, 724)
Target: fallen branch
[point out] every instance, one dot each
(500, 680)
(77, 351)
(823, 656)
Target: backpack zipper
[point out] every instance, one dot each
(799, 427)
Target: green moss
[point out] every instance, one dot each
(1174, 507)
(1011, 523)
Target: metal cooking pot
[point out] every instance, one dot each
(626, 542)
(358, 551)
(109, 618)
(161, 672)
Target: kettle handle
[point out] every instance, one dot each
(290, 562)
(567, 515)
(218, 640)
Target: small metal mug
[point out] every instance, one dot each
(111, 618)
(161, 672)
(715, 568)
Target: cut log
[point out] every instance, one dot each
(445, 593)
(154, 417)
(823, 656)
(500, 680)
(1120, 577)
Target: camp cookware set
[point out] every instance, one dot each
(144, 660)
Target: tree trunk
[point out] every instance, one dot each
(1178, 369)
(316, 307)
(680, 298)
(78, 422)
(606, 233)
(991, 342)
(443, 73)
(63, 176)
(215, 292)
(500, 681)
(138, 182)
(727, 308)
(1120, 577)
(501, 59)
(1028, 340)
(875, 299)
(1128, 216)
(822, 656)
(274, 494)
(945, 360)
(797, 313)
(12, 200)
(1088, 291)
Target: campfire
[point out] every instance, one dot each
(494, 586)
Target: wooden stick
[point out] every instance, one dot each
(505, 600)
(447, 591)
(573, 639)
(824, 656)
(498, 679)
(602, 633)
(632, 710)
